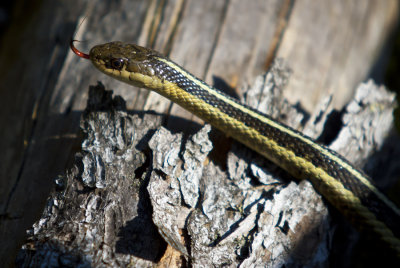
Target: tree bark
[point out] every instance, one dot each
(139, 195)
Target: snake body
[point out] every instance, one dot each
(345, 187)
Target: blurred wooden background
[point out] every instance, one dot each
(330, 45)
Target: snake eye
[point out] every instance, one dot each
(117, 63)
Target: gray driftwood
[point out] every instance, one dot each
(140, 195)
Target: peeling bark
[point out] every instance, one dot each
(140, 195)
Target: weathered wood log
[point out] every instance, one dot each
(134, 181)
(44, 88)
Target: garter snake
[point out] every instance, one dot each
(345, 187)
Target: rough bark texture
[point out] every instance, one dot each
(142, 196)
(331, 46)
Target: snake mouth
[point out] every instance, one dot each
(122, 74)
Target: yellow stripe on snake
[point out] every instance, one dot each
(345, 187)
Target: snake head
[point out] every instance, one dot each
(121, 60)
(129, 63)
